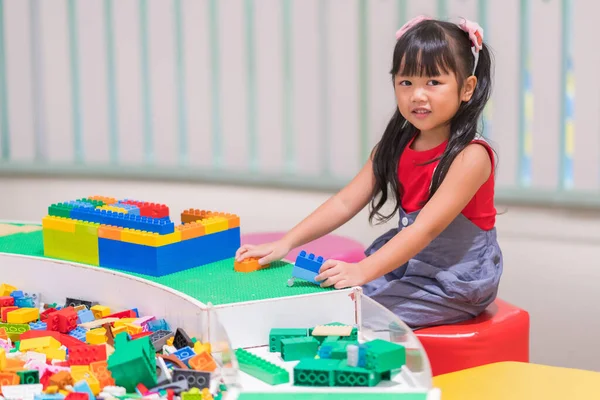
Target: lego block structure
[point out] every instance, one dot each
(137, 236)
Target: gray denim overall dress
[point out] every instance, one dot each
(453, 279)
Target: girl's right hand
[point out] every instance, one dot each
(266, 253)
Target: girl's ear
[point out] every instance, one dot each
(468, 88)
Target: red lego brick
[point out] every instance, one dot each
(6, 301)
(86, 354)
(64, 320)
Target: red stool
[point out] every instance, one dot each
(329, 246)
(500, 333)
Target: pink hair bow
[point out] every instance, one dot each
(475, 33)
(410, 24)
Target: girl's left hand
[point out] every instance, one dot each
(341, 274)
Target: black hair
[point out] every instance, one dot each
(428, 49)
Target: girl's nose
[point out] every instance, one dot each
(418, 95)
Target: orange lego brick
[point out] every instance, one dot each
(106, 200)
(191, 230)
(192, 215)
(13, 365)
(110, 232)
(9, 378)
(248, 265)
(233, 221)
(101, 372)
(202, 362)
(61, 379)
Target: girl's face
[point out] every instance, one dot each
(429, 103)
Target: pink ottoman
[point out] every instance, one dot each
(329, 246)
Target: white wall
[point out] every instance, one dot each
(551, 256)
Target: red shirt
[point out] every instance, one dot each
(415, 180)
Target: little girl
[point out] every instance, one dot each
(442, 264)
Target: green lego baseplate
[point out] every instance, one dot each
(333, 396)
(216, 283)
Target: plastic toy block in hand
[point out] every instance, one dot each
(248, 265)
(306, 267)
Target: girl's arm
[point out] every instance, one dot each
(336, 211)
(470, 169)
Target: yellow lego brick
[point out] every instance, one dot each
(96, 336)
(54, 354)
(45, 342)
(202, 347)
(51, 390)
(170, 341)
(80, 307)
(86, 228)
(116, 209)
(123, 322)
(6, 290)
(149, 238)
(78, 247)
(58, 224)
(2, 359)
(83, 372)
(118, 329)
(23, 315)
(214, 224)
(132, 329)
(100, 311)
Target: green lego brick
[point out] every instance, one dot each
(29, 377)
(133, 362)
(13, 331)
(331, 339)
(315, 372)
(81, 246)
(260, 368)
(95, 203)
(277, 334)
(60, 210)
(346, 375)
(384, 356)
(293, 349)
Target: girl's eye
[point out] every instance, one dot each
(404, 83)
(433, 82)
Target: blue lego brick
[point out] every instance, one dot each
(38, 326)
(24, 302)
(16, 294)
(305, 274)
(309, 262)
(44, 396)
(81, 204)
(184, 354)
(174, 257)
(130, 208)
(84, 387)
(84, 316)
(158, 325)
(78, 333)
(161, 226)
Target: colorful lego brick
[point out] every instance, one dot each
(260, 368)
(23, 316)
(309, 261)
(58, 224)
(149, 238)
(6, 289)
(191, 230)
(100, 311)
(114, 208)
(192, 215)
(105, 200)
(214, 224)
(315, 372)
(147, 209)
(293, 349)
(202, 362)
(130, 208)
(278, 334)
(104, 217)
(248, 265)
(174, 257)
